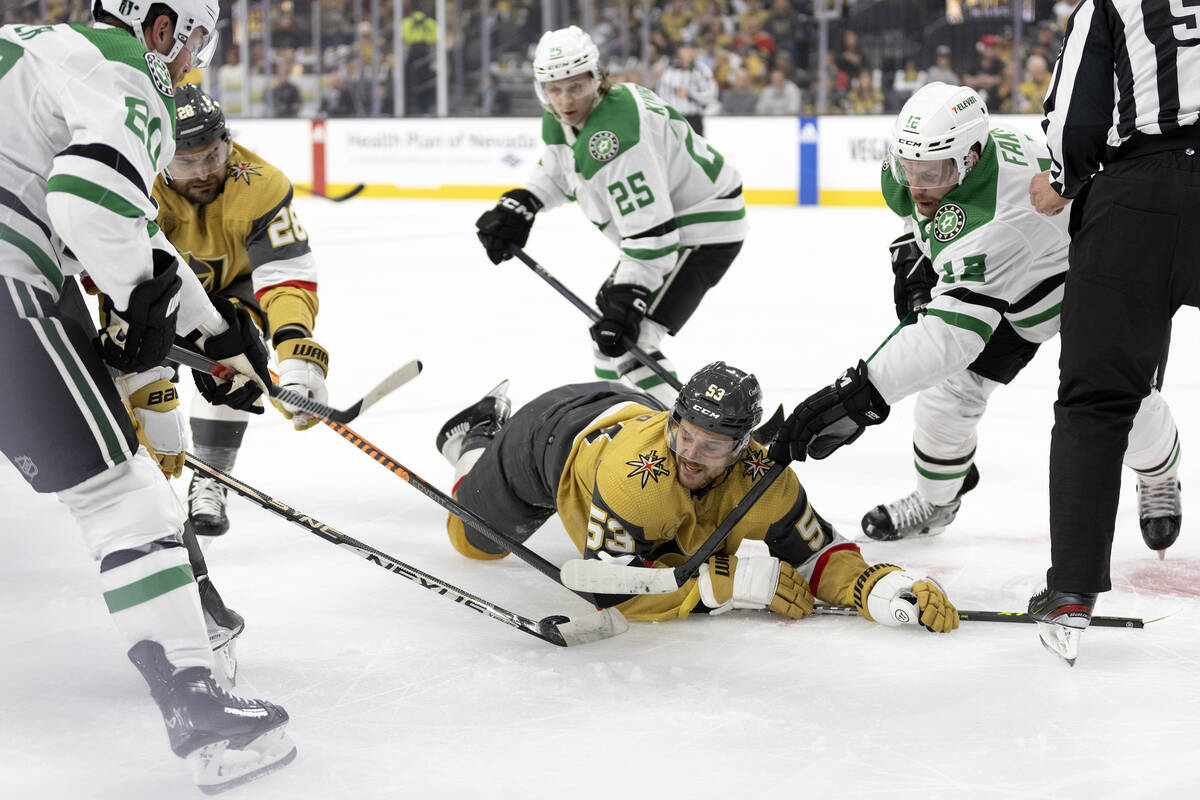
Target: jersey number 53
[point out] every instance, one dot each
(607, 533)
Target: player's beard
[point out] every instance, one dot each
(201, 191)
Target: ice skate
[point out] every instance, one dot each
(475, 425)
(1160, 512)
(224, 626)
(228, 740)
(206, 507)
(1061, 619)
(914, 516)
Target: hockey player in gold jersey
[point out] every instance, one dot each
(645, 487)
(229, 214)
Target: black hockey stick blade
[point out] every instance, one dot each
(1000, 616)
(337, 198)
(557, 630)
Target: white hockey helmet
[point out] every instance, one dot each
(563, 53)
(191, 14)
(932, 137)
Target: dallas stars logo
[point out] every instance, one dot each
(648, 467)
(755, 464)
(243, 170)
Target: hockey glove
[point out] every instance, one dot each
(140, 336)
(241, 348)
(303, 365)
(915, 277)
(622, 307)
(830, 418)
(727, 582)
(508, 223)
(157, 418)
(886, 594)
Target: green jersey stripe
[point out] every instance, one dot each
(1050, 313)
(148, 588)
(710, 216)
(94, 192)
(45, 263)
(940, 476)
(964, 321)
(607, 374)
(646, 255)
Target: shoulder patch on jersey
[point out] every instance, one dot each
(948, 222)
(242, 170)
(159, 74)
(648, 466)
(604, 145)
(755, 463)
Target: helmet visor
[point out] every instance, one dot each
(692, 443)
(199, 162)
(918, 174)
(202, 53)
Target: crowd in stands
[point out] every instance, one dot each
(761, 54)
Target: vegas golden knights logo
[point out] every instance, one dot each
(208, 270)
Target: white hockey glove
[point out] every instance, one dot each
(886, 594)
(157, 418)
(727, 582)
(303, 365)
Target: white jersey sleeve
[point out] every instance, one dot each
(997, 259)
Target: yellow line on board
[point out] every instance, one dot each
(850, 197)
(761, 197)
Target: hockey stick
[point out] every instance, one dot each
(596, 576)
(465, 514)
(999, 616)
(557, 629)
(401, 376)
(338, 197)
(630, 345)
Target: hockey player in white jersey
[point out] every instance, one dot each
(90, 117)
(985, 272)
(671, 203)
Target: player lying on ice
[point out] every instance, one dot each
(645, 487)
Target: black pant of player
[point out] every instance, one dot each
(698, 269)
(514, 484)
(1133, 264)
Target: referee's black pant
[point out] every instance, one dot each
(1134, 260)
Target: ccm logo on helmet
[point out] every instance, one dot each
(705, 411)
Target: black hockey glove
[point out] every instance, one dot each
(830, 418)
(508, 223)
(139, 337)
(622, 306)
(915, 277)
(241, 348)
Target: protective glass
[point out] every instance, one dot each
(698, 445)
(205, 48)
(566, 89)
(917, 174)
(199, 163)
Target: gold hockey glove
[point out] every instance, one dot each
(886, 594)
(303, 365)
(158, 421)
(727, 582)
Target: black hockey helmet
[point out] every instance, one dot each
(199, 119)
(719, 399)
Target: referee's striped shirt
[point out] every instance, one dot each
(1127, 82)
(697, 81)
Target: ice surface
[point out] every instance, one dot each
(396, 692)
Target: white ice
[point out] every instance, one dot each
(395, 691)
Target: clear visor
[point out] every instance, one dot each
(566, 90)
(205, 48)
(917, 174)
(200, 162)
(697, 445)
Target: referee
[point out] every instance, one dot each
(1121, 124)
(688, 85)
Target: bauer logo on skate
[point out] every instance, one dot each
(604, 145)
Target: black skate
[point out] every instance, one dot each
(229, 740)
(1061, 618)
(224, 626)
(913, 516)
(206, 507)
(475, 425)
(1160, 512)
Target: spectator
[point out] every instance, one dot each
(863, 97)
(988, 70)
(908, 80)
(741, 98)
(674, 20)
(285, 94)
(688, 85)
(780, 97)
(780, 25)
(1035, 85)
(849, 60)
(419, 32)
(336, 100)
(941, 69)
(753, 35)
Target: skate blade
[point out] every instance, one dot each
(1060, 640)
(218, 768)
